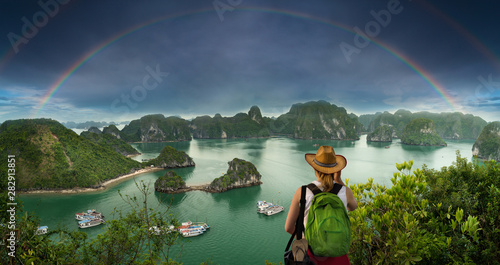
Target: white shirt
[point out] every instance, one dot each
(309, 198)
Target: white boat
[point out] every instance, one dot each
(90, 214)
(90, 222)
(189, 229)
(262, 206)
(42, 230)
(191, 233)
(274, 210)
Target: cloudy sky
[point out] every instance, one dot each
(110, 60)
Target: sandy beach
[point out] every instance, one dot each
(104, 185)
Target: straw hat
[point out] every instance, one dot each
(326, 161)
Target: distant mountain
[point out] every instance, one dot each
(240, 126)
(487, 145)
(421, 131)
(109, 140)
(86, 125)
(50, 156)
(156, 128)
(317, 120)
(448, 125)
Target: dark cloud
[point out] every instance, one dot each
(266, 53)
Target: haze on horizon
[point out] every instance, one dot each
(74, 60)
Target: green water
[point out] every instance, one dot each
(238, 234)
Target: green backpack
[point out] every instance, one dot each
(328, 229)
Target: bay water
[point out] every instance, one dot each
(238, 234)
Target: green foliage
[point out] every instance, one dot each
(429, 217)
(50, 156)
(421, 131)
(109, 141)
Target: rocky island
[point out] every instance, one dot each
(421, 131)
(383, 133)
(170, 157)
(487, 145)
(170, 183)
(240, 174)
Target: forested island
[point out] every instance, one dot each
(421, 131)
(239, 174)
(310, 120)
(487, 145)
(51, 157)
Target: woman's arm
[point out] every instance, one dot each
(351, 201)
(293, 213)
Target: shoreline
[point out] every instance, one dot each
(102, 186)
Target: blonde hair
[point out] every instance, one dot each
(326, 180)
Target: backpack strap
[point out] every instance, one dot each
(299, 224)
(336, 188)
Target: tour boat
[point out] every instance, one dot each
(90, 214)
(189, 229)
(192, 233)
(42, 230)
(274, 210)
(90, 222)
(262, 206)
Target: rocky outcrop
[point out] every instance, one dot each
(170, 183)
(381, 134)
(421, 131)
(487, 145)
(112, 130)
(170, 157)
(240, 174)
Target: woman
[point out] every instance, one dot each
(327, 169)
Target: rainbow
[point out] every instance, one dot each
(433, 83)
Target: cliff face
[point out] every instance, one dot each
(156, 128)
(381, 134)
(487, 145)
(239, 174)
(169, 183)
(317, 120)
(112, 130)
(170, 157)
(421, 131)
(241, 125)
